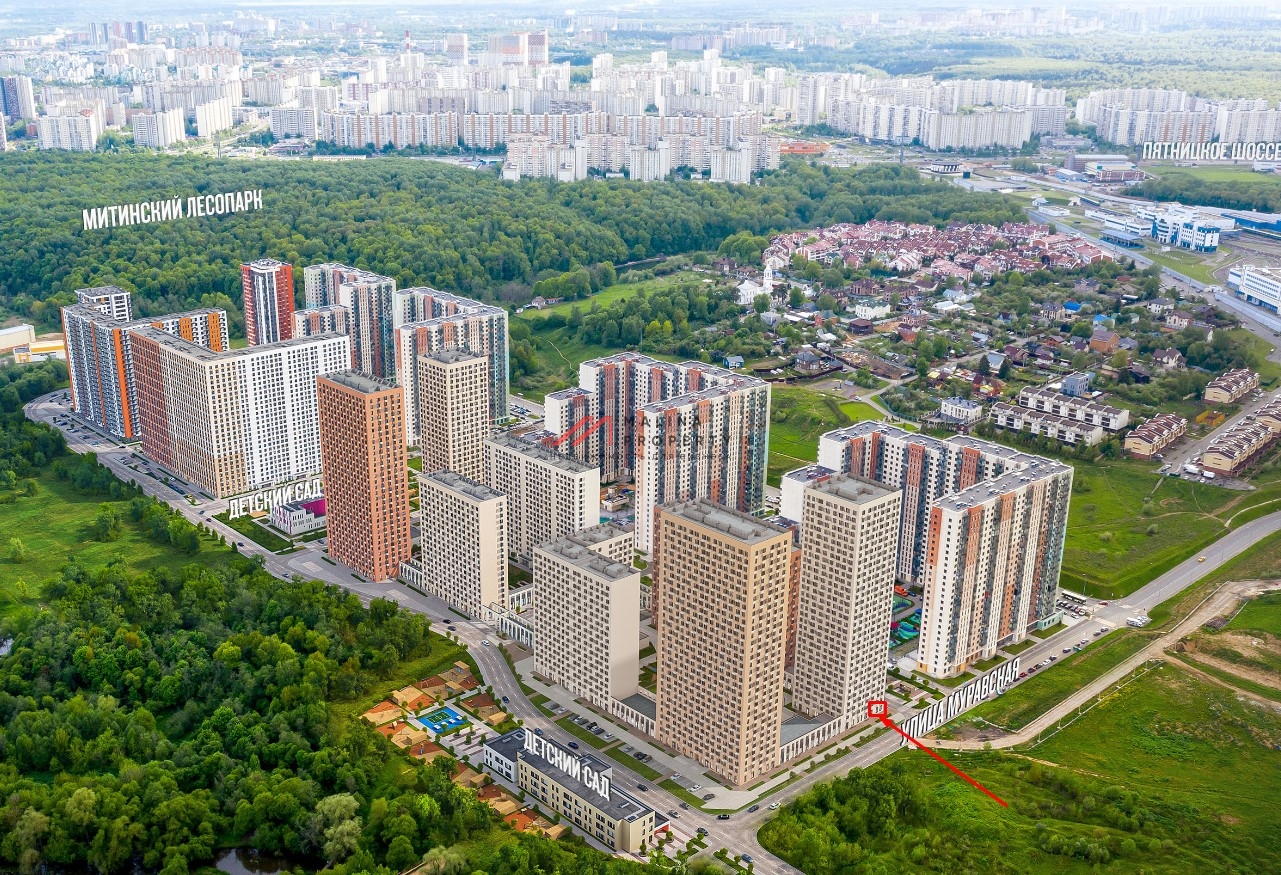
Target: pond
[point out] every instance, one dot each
(247, 861)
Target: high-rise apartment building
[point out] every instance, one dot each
(848, 539)
(463, 541)
(74, 131)
(586, 620)
(982, 529)
(232, 422)
(550, 495)
(19, 97)
(456, 49)
(373, 339)
(97, 333)
(363, 462)
(159, 130)
(684, 431)
(321, 283)
(268, 287)
(333, 319)
(428, 321)
(454, 392)
(721, 612)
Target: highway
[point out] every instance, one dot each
(738, 834)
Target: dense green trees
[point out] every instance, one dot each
(1258, 191)
(417, 221)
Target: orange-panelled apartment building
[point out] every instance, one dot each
(982, 528)
(97, 331)
(269, 300)
(363, 463)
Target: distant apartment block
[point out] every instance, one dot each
(159, 130)
(1069, 407)
(235, 421)
(428, 321)
(334, 319)
(363, 462)
(550, 495)
(683, 431)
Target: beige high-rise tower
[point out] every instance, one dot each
(463, 542)
(721, 585)
(849, 540)
(454, 416)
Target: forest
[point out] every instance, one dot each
(1257, 191)
(418, 221)
(150, 718)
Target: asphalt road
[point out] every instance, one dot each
(738, 834)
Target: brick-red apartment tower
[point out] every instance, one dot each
(269, 300)
(363, 462)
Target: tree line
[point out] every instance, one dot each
(420, 222)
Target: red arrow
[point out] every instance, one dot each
(880, 710)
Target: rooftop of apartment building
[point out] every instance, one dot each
(587, 559)
(539, 451)
(851, 488)
(736, 524)
(462, 485)
(1068, 400)
(451, 356)
(597, 534)
(204, 354)
(359, 381)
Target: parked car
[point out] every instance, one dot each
(702, 830)
(722, 817)
(538, 731)
(574, 745)
(753, 808)
(685, 805)
(505, 700)
(747, 858)
(707, 796)
(673, 813)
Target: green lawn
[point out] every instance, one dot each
(798, 416)
(53, 526)
(254, 532)
(1109, 551)
(1027, 700)
(566, 723)
(443, 654)
(615, 754)
(1187, 263)
(618, 292)
(1262, 614)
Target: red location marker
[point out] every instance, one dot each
(880, 710)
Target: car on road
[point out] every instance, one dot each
(538, 731)
(685, 805)
(702, 830)
(773, 806)
(722, 817)
(1104, 604)
(574, 745)
(673, 814)
(753, 808)
(1067, 649)
(1085, 640)
(642, 788)
(1202, 559)
(747, 858)
(485, 642)
(505, 700)
(452, 629)
(708, 796)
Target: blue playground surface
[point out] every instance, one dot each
(443, 719)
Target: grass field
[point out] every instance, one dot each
(1187, 263)
(1109, 551)
(1214, 173)
(53, 526)
(1262, 614)
(798, 416)
(1027, 700)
